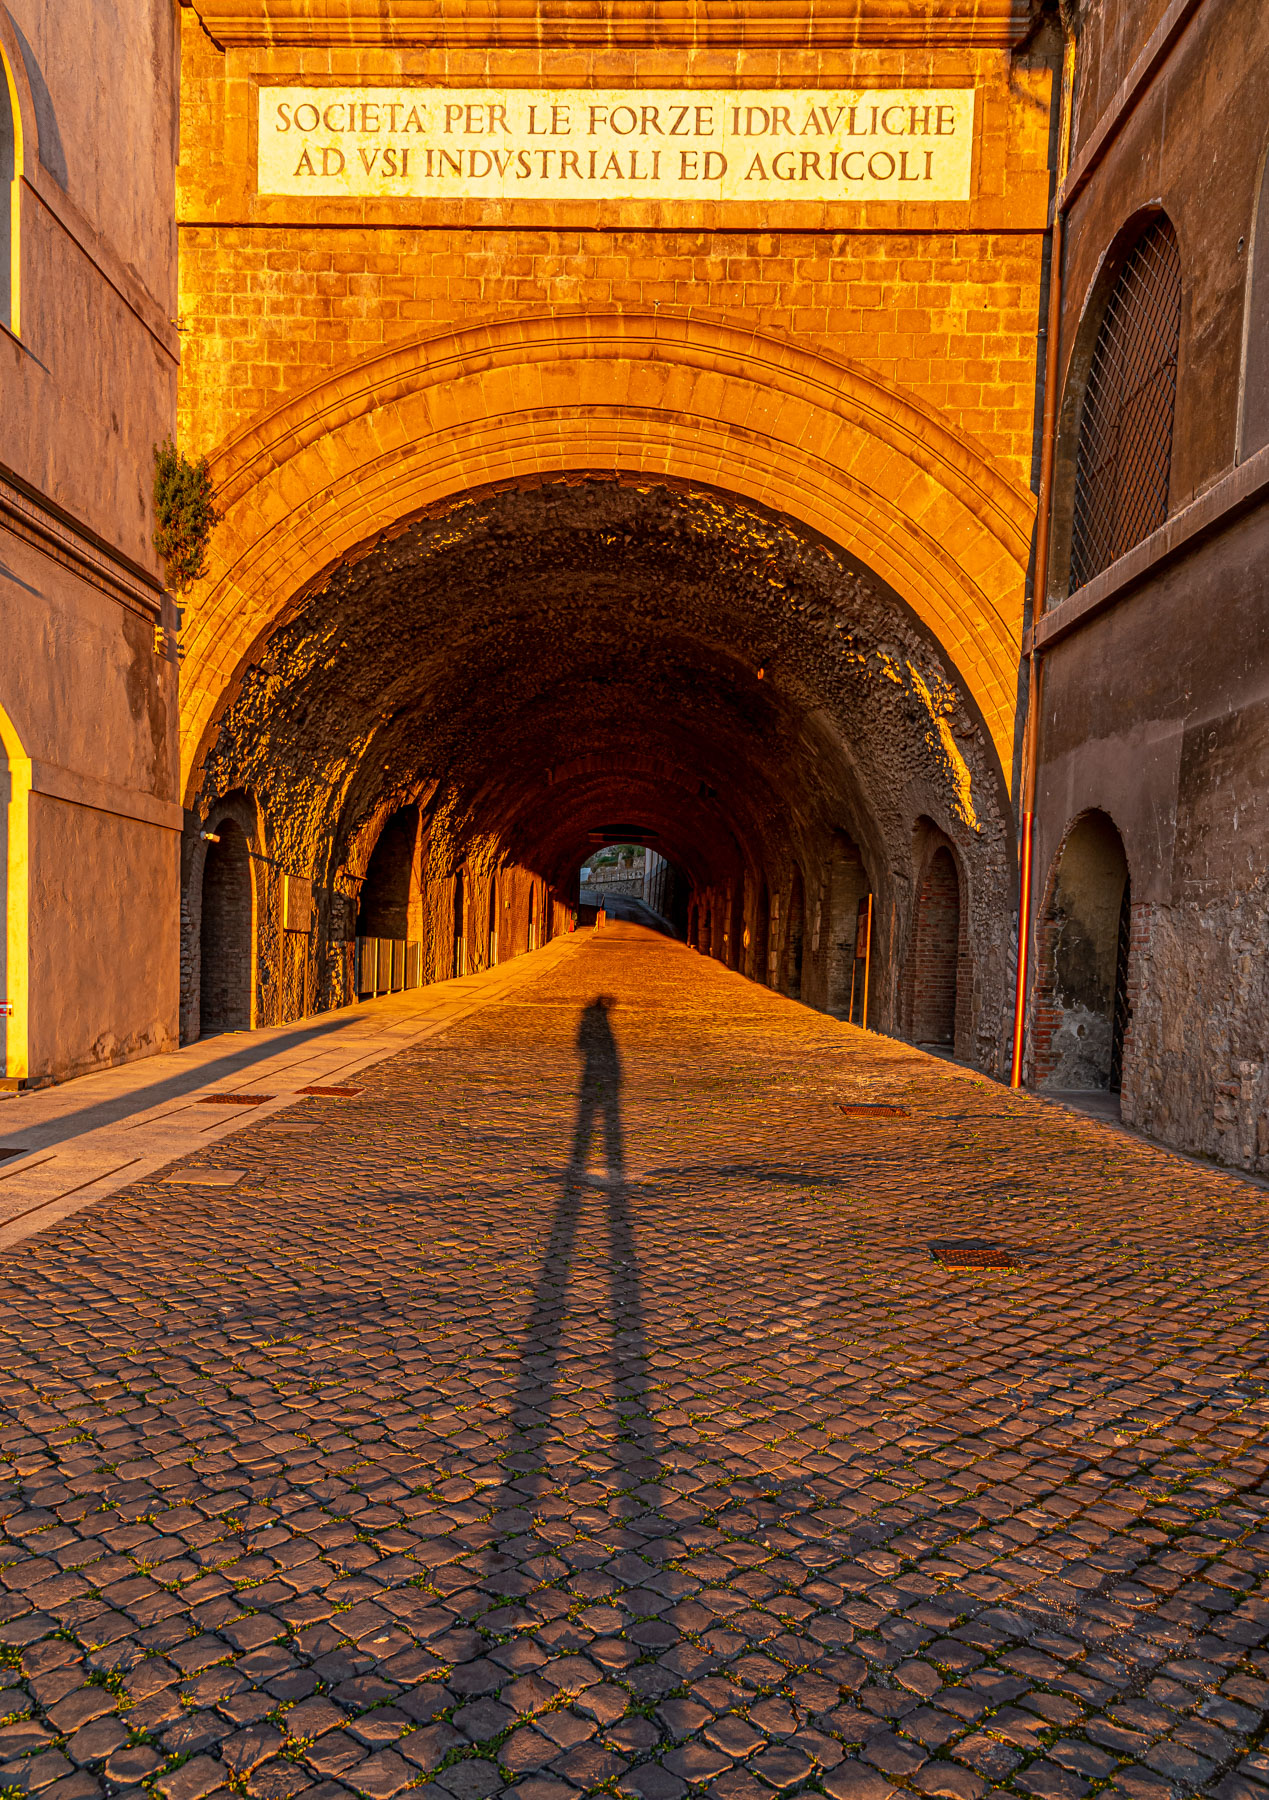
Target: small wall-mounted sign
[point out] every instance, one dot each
(298, 904)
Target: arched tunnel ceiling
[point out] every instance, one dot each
(546, 660)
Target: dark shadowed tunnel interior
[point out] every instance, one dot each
(445, 725)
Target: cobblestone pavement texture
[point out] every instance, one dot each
(581, 1409)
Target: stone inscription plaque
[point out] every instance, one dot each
(506, 144)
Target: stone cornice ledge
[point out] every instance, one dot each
(1245, 486)
(77, 789)
(707, 24)
(31, 515)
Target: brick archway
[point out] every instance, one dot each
(808, 436)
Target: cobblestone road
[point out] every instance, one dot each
(581, 1409)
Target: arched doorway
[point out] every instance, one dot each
(757, 963)
(226, 933)
(15, 786)
(936, 953)
(460, 925)
(847, 884)
(12, 1063)
(795, 933)
(734, 928)
(1082, 996)
(383, 908)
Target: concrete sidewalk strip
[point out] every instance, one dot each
(81, 1141)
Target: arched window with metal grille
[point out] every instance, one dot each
(1123, 463)
(1254, 426)
(8, 195)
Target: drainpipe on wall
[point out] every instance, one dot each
(1040, 584)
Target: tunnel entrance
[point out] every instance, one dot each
(544, 672)
(633, 881)
(226, 932)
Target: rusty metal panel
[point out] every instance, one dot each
(972, 1253)
(297, 903)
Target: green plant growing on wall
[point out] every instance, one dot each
(184, 515)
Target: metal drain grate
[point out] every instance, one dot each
(7, 1151)
(869, 1109)
(332, 1093)
(233, 1099)
(972, 1253)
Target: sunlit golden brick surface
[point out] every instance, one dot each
(940, 301)
(267, 312)
(353, 359)
(580, 1409)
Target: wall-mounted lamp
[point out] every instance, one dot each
(210, 837)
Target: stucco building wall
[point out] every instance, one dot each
(1155, 676)
(88, 691)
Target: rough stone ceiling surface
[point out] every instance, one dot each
(554, 660)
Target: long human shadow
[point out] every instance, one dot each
(527, 1473)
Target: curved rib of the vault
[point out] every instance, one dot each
(808, 436)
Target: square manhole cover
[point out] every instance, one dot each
(233, 1099)
(871, 1109)
(332, 1093)
(972, 1253)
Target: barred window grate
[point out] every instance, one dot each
(1124, 460)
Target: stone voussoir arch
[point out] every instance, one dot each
(656, 394)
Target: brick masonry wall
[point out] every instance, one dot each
(936, 953)
(950, 319)
(964, 1044)
(939, 300)
(1046, 1012)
